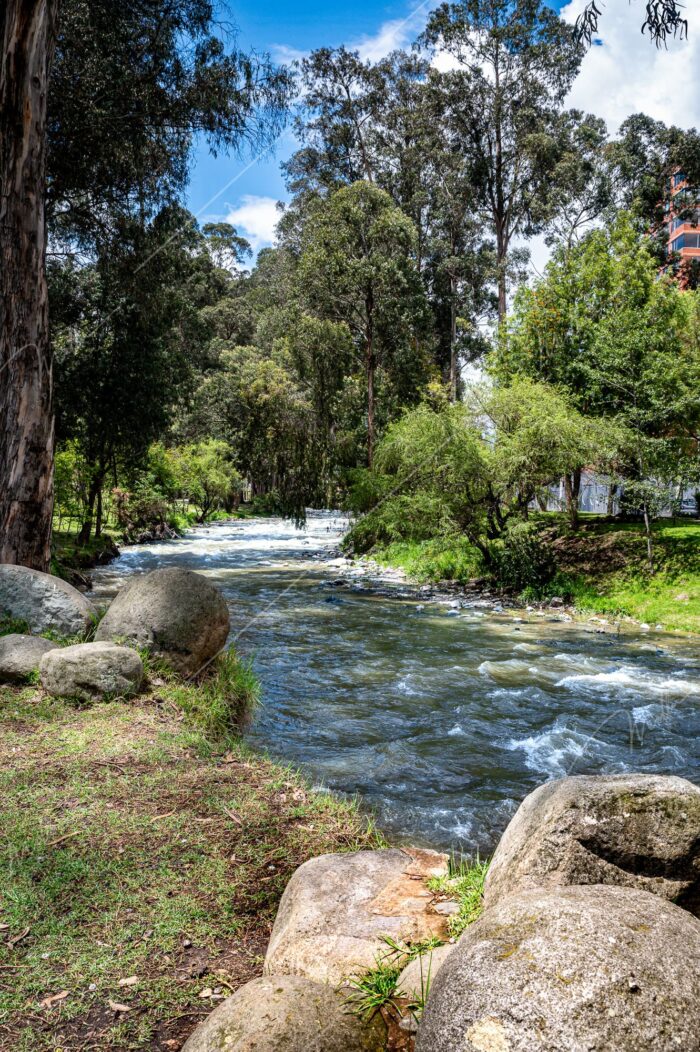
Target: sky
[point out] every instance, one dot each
(624, 74)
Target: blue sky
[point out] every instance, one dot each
(626, 74)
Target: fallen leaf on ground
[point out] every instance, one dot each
(131, 981)
(116, 1007)
(206, 993)
(18, 938)
(48, 1001)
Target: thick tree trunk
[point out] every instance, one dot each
(26, 379)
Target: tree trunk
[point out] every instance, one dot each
(612, 492)
(647, 531)
(86, 528)
(454, 378)
(371, 365)
(572, 486)
(26, 368)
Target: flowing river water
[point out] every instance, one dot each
(441, 717)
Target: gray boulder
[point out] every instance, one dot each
(575, 969)
(636, 831)
(179, 615)
(336, 908)
(20, 656)
(91, 671)
(45, 602)
(286, 1014)
(417, 977)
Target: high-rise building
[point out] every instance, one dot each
(682, 225)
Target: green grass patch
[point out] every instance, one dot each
(222, 702)
(464, 882)
(439, 559)
(134, 847)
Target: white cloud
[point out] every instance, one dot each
(397, 33)
(627, 74)
(256, 218)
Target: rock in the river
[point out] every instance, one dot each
(635, 830)
(20, 656)
(336, 908)
(179, 615)
(286, 1014)
(91, 671)
(417, 977)
(46, 603)
(570, 969)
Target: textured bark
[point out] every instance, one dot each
(26, 380)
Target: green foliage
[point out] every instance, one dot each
(523, 559)
(441, 558)
(465, 882)
(13, 625)
(223, 700)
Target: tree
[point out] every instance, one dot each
(26, 387)
(357, 268)
(205, 474)
(623, 341)
(516, 61)
(131, 86)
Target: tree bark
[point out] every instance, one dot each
(26, 367)
(572, 486)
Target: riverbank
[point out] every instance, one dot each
(601, 570)
(141, 867)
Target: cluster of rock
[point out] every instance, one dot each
(589, 940)
(177, 615)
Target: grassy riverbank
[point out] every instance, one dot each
(140, 869)
(601, 569)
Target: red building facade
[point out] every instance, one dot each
(682, 223)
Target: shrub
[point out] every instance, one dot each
(522, 559)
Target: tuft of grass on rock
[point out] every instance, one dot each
(464, 882)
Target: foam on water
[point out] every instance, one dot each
(441, 725)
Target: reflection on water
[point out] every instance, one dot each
(442, 720)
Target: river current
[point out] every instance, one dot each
(442, 717)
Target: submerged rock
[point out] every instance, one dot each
(20, 656)
(286, 1014)
(576, 969)
(44, 602)
(179, 615)
(91, 671)
(636, 830)
(336, 908)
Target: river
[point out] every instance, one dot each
(440, 717)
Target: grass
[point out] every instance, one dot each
(603, 568)
(605, 572)
(376, 989)
(141, 864)
(440, 559)
(464, 882)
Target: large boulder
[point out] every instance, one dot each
(336, 908)
(44, 602)
(575, 969)
(91, 671)
(20, 656)
(180, 616)
(637, 831)
(286, 1014)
